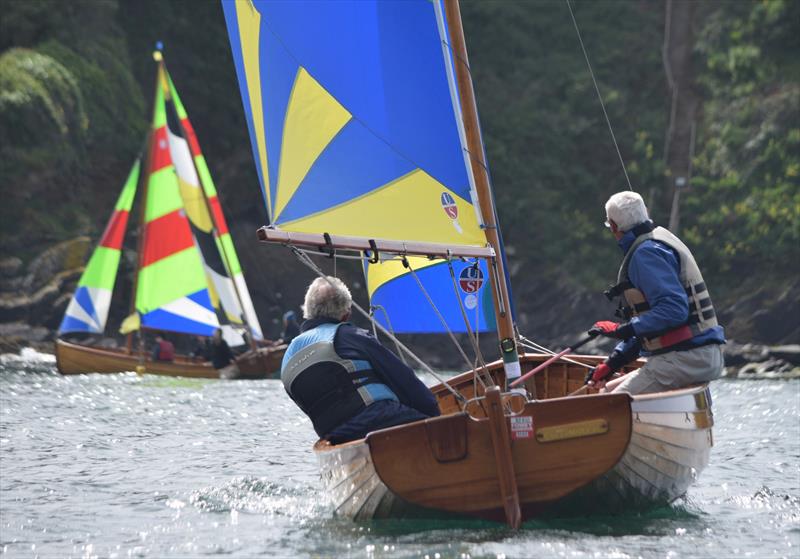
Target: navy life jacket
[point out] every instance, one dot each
(329, 388)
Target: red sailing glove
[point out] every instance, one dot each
(599, 373)
(613, 330)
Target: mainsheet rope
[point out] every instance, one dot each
(599, 96)
(530, 344)
(305, 259)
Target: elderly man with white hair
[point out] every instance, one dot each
(342, 377)
(667, 311)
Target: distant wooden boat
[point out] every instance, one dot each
(600, 452)
(188, 278)
(73, 359)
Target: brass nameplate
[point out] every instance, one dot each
(571, 430)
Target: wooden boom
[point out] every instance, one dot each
(329, 242)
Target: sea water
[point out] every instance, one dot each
(122, 466)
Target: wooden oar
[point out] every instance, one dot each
(556, 357)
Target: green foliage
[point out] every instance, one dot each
(745, 208)
(41, 106)
(70, 125)
(553, 160)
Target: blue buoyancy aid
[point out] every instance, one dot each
(327, 387)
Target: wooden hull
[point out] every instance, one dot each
(75, 359)
(264, 362)
(610, 450)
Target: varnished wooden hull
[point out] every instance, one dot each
(609, 450)
(76, 359)
(264, 362)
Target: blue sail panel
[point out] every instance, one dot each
(409, 311)
(328, 86)
(193, 314)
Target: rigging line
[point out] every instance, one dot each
(306, 261)
(475, 348)
(599, 96)
(373, 308)
(309, 252)
(533, 345)
(438, 314)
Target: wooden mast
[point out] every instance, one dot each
(500, 295)
(214, 225)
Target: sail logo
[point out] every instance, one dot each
(470, 279)
(451, 209)
(449, 206)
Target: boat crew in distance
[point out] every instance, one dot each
(666, 306)
(222, 357)
(290, 328)
(342, 377)
(164, 350)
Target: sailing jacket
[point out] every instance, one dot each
(164, 351)
(334, 370)
(665, 296)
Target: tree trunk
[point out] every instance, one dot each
(684, 105)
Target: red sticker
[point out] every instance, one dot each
(522, 427)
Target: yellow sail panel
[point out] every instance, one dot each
(249, 23)
(313, 118)
(384, 272)
(415, 207)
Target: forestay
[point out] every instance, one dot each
(356, 130)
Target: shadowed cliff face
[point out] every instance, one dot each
(70, 129)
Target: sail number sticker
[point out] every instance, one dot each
(522, 427)
(470, 279)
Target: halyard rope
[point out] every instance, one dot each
(599, 96)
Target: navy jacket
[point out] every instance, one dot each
(352, 342)
(654, 269)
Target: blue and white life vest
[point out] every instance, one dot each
(329, 388)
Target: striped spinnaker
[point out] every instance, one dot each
(172, 290)
(207, 222)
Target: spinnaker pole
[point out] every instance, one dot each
(497, 277)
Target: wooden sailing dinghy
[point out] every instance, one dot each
(188, 277)
(366, 137)
(599, 453)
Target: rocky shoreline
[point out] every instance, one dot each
(744, 361)
(34, 296)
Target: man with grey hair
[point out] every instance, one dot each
(342, 377)
(665, 304)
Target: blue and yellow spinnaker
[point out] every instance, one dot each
(356, 130)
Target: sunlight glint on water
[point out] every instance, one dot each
(130, 466)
